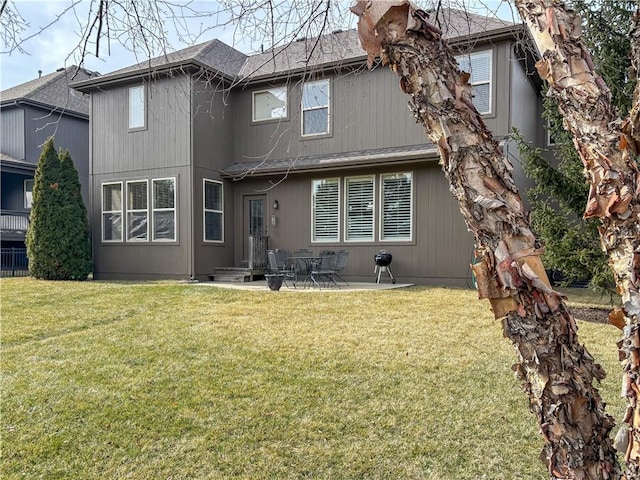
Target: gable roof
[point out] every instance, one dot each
(343, 47)
(52, 90)
(335, 49)
(212, 55)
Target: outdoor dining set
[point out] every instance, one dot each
(304, 268)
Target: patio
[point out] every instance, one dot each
(262, 285)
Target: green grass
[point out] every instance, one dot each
(173, 381)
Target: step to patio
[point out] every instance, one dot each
(234, 274)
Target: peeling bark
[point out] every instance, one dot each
(556, 371)
(607, 148)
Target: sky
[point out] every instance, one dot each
(57, 45)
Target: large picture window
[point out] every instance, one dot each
(359, 209)
(164, 209)
(325, 204)
(397, 206)
(315, 108)
(137, 111)
(137, 211)
(479, 66)
(213, 211)
(270, 104)
(112, 212)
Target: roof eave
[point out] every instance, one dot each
(46, 106)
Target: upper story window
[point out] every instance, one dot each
(325, 210)
(315, 108)
(137, 211)
(164, 209)
(397, 206)
(112, 212)
(28, 192)
(479, 65)
(213, 211)
(137, 110)
(270, 104)
(359, 209)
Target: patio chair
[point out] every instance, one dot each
(341, 263)
(325, 270)
(275, 268)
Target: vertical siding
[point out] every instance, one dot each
(12, 132)
(161, 150)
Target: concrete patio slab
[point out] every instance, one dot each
(262, 285)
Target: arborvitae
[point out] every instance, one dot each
(58, 236)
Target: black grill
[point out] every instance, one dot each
(383, 260)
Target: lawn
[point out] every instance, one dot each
(174, 381)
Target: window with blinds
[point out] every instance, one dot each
(325, 204)
(315, 108)
(359, 208)
(397, 206)
(213, 211)
(164, 209)
(137, 211)
(479, 66)
(112, 212)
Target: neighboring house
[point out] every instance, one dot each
(29, 114)
(196, 154)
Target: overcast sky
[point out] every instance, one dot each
(53, 47)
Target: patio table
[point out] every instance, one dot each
(306, 264)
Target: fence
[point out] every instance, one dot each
(14, 262)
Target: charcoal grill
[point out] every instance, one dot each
(383, 260)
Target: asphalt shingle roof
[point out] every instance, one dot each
(52, 90)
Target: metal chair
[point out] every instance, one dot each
(276, 268)
(325, 270)
(341, 263)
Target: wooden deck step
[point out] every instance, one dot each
(234, 274)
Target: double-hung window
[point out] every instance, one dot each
(28, 192)
(479, 65)
(325, 205)
(137, 211)
(112, 212)
(315, 108)
(397, 206)
(359, 211)
(137, 109)
(270, 104)
(213, 211)
(164, 209)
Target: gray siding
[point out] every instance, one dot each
(162, 149)
(12, 132)
(438, 254)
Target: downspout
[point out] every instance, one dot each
(192, 220)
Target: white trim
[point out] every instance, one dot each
(143, 96)
(346, 208)
(303, 110)
(174, 210)
(490, 82)
(205, 210)
(411, 208)
(269, 119)
(313, 216)
(103, 211)
(129, 210)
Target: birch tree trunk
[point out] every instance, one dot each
(556, 371)
(607, 148)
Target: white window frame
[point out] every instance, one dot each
(489, 82)
(314, 237)
(129, 210)
(303, 110)
(411, 208)
(212, 210)
(155, 210)
(112, 212)
(133, 107)
(282, 89)
(28, 193)
(347, 235)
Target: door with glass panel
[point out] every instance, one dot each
(255, 223)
